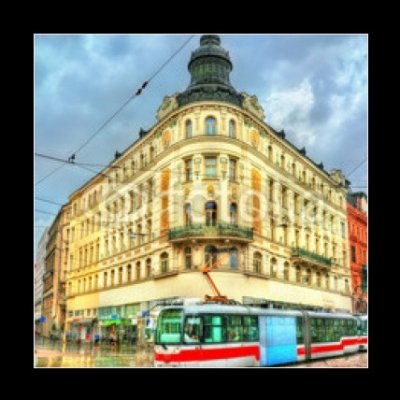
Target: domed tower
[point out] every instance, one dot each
(209, 67)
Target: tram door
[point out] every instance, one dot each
(278, 344)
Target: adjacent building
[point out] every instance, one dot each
(38, 275)
(358, 237)
(54, 278)
(210, 182)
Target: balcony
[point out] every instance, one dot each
(220, 231)
(308, 257)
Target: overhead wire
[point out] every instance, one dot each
(137, 93)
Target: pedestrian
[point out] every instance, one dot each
(96, 339)
(113, 340)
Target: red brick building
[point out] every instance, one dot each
(357, 222)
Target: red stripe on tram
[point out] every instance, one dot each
(205, 354)
(329, 347)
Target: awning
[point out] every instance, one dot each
(83, 321)
(109, 322)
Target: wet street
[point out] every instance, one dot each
(55, 355)
(358, 360)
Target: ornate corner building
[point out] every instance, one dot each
(210, 180)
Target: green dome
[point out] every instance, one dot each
(209, 67)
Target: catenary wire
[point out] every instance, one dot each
(137, 93)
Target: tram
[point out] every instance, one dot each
(362, 326)
(225, 335)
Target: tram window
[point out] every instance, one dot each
(169, 327)
(299, 330)
(235, 328)
(330, 333)
(364, 328)
(214, 329)
(250, 329)
(193, 330)
(313, 330)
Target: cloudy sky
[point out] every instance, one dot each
(313, 86)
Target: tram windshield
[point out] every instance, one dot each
(169, 327)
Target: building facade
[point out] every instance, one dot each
(38, 275)
(210, 181)
(54, 278)
(358, 230)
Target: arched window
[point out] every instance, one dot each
(69, 288)
(318, 279)
(210, 255)
(211, 213)
(304, 177)
(286, 271)
(188, 214)
(297, 233)
(188, 258)
(139, 235)
(90, 283)
(133, 167)
(188, 129)
(149, 228)
(112, 277)
(257, 262)
(128, 273)
(138, 270)
(327, 285)
(164, 262)
(84, 284)
(211, 126)
(272, 228)
(346, 285)
(308, 277)
(294, 169)
(105, 279)
(298, 274)
(233, 214)
(79, 286)
(148, 268)
(232, 129)
(313, 182)
(270, 153)
(96, 282)
(233, 258)
(120, 279)
(152, 153)
(274, 269)
(282, 161)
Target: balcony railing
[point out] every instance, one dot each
(308, 255)
(218, 230)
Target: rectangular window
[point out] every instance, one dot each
(211, 167)
(193, 329)
(188, 170)
(232, 169)
(250, 329)
(299, 330)
(214, 329)
(353, 254)
(343, 230)
(235, 329)
(169, 327)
